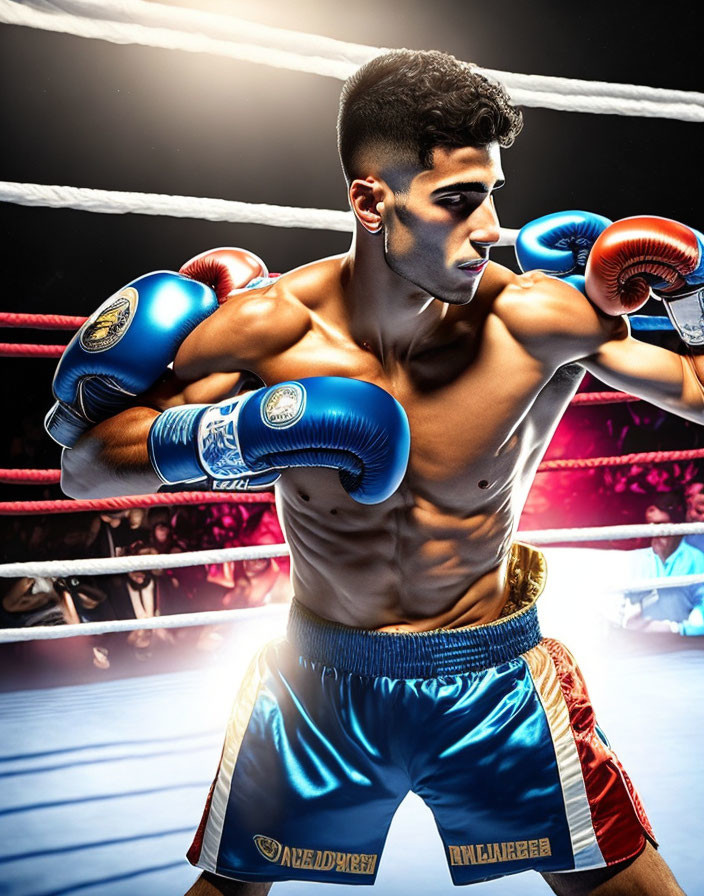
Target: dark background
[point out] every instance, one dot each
(94, 114)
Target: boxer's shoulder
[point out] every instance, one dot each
(534, 299)
(290, 298)
(311, 285)
(256, 324)
(272, 305)
(535, 304)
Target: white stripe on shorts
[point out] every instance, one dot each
(585, 848)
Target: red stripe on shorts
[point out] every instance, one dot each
(618, 816)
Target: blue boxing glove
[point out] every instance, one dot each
(128, 343)
(122, 349)
(559, 244)
(349, 425)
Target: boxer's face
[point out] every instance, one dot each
(438, 230)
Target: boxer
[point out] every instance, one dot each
(414, 659)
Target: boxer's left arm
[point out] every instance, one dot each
(671, 381)
(556, 324)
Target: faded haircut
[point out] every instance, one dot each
(407, 102)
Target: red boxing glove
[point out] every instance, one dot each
(635, 254)
(224, 270)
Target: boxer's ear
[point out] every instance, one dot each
(364, 198)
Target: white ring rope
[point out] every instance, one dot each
(120, 203)
(12, 13)
(217, 617)
(609, 533)
(103, 566)
(111, 565)
(114, 202)
(157, 25)
(686, 110)
(224, 27)
(631, 586)
(178, 620)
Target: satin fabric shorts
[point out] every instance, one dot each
(490, 725)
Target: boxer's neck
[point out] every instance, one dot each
(386, 313)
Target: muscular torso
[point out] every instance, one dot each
(481, 410)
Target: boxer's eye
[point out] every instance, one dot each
(453, 200)
(460, 203)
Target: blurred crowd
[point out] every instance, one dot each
(618, 494)
(142, 594)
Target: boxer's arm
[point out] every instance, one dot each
(111, 458)
(247, 331)
(631, 260)
(665, 378)
(557, 325)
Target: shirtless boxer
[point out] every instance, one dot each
(414, 659)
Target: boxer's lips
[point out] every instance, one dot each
(472, 268)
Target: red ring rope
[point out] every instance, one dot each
(31, 477)
(41, 321)
(603, 398)
(106, 505)
(644, 457)
(27, 477)
(23, 350)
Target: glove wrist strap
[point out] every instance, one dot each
(686, 311)
(172, 444)
(219, 449)
(65, 425)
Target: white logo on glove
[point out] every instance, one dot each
(284, 406)
(110, 322)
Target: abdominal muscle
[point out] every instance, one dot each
(404, 565)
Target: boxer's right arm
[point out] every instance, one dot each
(125, 346)
(111, 458)
(113, 376)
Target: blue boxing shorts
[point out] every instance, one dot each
(490, 725)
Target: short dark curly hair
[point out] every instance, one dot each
(407, 102)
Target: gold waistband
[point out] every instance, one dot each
(526, 575)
